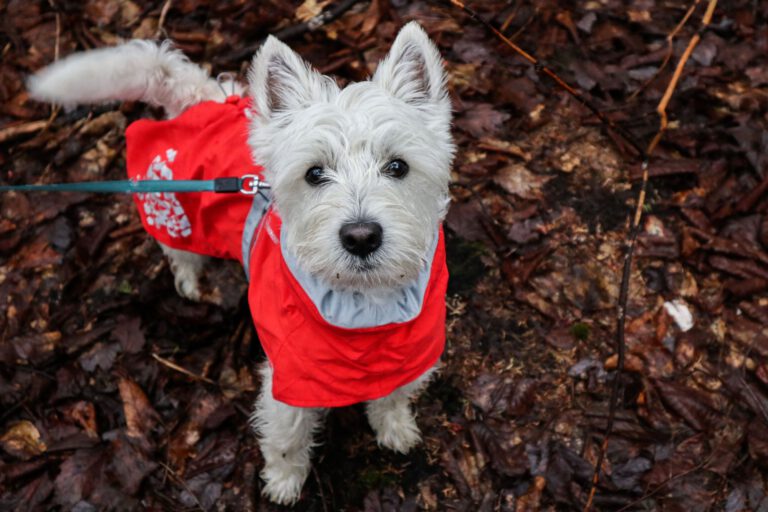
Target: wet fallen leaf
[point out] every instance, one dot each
(23, 440)
(140, 417)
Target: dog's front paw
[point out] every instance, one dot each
(283, 482)
(398, 431)
(187, 283)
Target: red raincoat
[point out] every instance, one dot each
(316, 361)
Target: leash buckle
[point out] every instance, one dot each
(250, 184)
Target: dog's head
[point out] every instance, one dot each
(359, 175)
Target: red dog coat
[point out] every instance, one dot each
(327, 348)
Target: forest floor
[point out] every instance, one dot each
(117, 394)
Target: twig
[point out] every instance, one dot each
(670, 50)
(58, 32)
(661, 109)
(17, 130)
(543, 69)
(161, 20)
(320, 488)
(174, 366)
(56, 52)
(668, 481)
(180, 481)
(508, 21)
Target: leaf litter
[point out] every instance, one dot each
(117, 394)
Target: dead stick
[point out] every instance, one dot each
(17, 130)
(670, 50)
(634, 232)
(180, 369)
(161, 22)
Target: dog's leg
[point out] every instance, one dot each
(286, 441)
(393, 420)
(186, 267)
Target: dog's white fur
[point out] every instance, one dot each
(303, 120)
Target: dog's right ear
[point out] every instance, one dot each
(280, 81)
(413, 71)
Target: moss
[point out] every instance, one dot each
(372, 478)
(580, 331)
(125, 287)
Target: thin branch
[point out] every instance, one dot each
(670, 50)
(668, 481)
(545, 70)
(661, 109)
(181, 369)
(161, 22)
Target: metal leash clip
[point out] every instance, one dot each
(251, 184)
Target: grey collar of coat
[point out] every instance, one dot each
(353, 309)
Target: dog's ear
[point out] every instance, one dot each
(413, 70)
(280, 80)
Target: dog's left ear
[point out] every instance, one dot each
(281, 81)
(413, 70)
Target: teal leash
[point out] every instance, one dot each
(249, 184)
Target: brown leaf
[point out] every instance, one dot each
(518, 180)
(130, 464)
(507, 459)
(481, 119)
(78, 476)
(22, 440)
(523, 397)
(310, 8)
(464, 466)
(101, 355)
(140, 417)
(34, 494)
(130, 335)
(560, 338)
(489, 393)
(182, 444)
(84, 414)
(691, 404)
(36, 348)
(531, 500)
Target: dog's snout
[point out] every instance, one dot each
(361, 238)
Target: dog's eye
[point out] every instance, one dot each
(315, 176)
(396, 168)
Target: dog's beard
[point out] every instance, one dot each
(364, 265)
(387, 268)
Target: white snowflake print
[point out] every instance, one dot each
(163, 210)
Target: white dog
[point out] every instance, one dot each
(346, 266)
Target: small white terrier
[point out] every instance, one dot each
(359, 179)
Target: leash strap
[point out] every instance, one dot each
(250, 184)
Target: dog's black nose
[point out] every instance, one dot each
(361, 238)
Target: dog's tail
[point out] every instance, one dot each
(138, 70)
